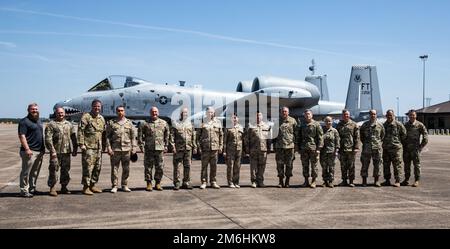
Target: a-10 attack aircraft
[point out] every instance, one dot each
(266, 94)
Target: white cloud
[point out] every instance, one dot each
(28, 56)
(8, 44)
(192, 32)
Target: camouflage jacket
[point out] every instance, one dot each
(287, 134)
(182, 136)
(91, 131)
(120, 137)
(232, 140)
(60, 137)
(154, 135)
(210, 136)
(257, 137)
(310, 136)
(331, 140)
(349, 134)
(395, 135)
(413, 132)
(372, 135)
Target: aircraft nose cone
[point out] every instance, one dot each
(59, 104)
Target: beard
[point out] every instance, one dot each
(34, 116)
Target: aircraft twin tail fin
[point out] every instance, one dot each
(363, 92)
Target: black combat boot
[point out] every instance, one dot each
(343, 183)
(364, 182)
(286, 183)
(306, 183)
(65, 190)
(386, 183)
(280, 182)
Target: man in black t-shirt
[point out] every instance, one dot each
(31, 151)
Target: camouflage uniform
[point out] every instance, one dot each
(210, 142)
(91, 133)
(153, 138)
(232, 146)
(284, 146)
(256, 143)
(331, 144)
(121, 139)
(349, 134)
(60, 139)
(183, 140)
(412, 147)
(310, 141)
(372, 135)
(395, 134)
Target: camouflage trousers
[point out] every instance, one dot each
(153, 159)
(233, 161)
(30, 170)
(124, 158)
(395, 157)
(62, 161)
(414, 156)
(309, 157)
(284, 159)
(376, 156)
(257, 166)
(182, 158)
(347, 160)
(209, 158)
(327, 161)
(91, 162)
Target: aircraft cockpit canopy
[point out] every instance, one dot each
(116, 82)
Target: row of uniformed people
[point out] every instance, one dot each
(154, 136)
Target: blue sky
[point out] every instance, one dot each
(53, 50)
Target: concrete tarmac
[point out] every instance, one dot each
(342, 207)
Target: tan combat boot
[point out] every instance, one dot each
(377, 182)
(86, 190)
(149, 187)
(53, 191)
(215, 185)
(158, 187)
(351, 184)
(95, 189)
(416, 184)
(313, 183)
(364, 182)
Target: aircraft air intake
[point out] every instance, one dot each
(244, 86)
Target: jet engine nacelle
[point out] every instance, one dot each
(291, 97)
(244, 86)
(292, 93)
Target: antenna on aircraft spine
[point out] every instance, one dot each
(312, 68)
